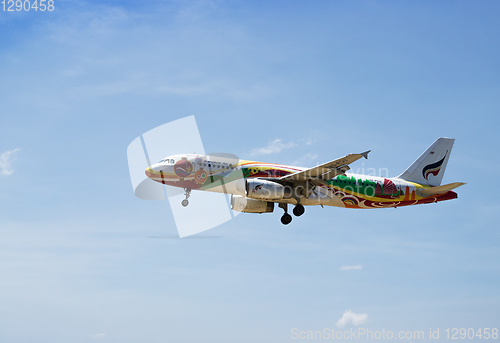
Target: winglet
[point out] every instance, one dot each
(365, 154)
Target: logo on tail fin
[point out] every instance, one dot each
(433, 168)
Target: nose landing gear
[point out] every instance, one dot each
(185, 202)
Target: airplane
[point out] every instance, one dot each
(255, 187)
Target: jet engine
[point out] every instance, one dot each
(266, 190)
(243, 204)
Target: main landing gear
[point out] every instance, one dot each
(298, 210)
(286, 218)
(185, 202)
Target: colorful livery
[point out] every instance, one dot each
(255, 187)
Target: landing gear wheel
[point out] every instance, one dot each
(185, 202)
(286, 219)
(298, 210)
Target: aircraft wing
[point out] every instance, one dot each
(326, 171)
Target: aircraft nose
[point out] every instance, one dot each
(156, 169)
(149, 172)
(153, 169)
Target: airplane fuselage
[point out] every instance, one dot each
(226, 175)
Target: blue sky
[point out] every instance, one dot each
(77, 261)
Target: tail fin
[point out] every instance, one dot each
(429, 168)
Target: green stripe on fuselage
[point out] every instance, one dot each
(352, 184)
(360, 186)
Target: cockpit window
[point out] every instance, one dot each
(167, 160)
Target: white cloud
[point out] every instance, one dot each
(307, 159)
(224, 87)
(97, 335)
(309, 141)
(353, 318)
(273, 147)
(6, 160)
(356, 267)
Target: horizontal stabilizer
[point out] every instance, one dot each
(427, 192)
